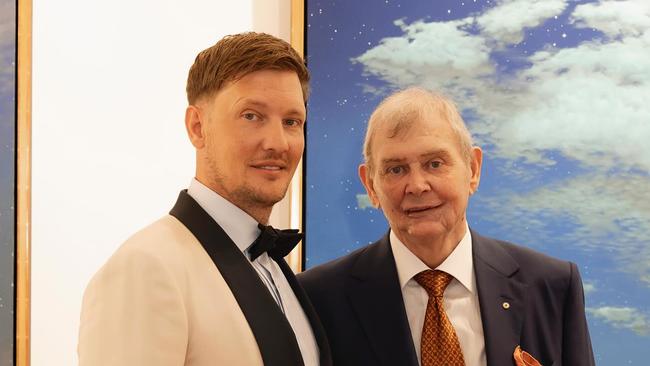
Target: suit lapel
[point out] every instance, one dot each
(374, 291)
(308, 308)
(502, 323)
(275, 338)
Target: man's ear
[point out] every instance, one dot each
(195, 124)
(476, 160)
(366, 179)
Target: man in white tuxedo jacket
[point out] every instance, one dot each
(207, 284)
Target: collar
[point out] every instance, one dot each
(459, 263)
(238, 225)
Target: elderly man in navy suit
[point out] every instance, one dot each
(432, 291)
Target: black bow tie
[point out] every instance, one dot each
(277, 243)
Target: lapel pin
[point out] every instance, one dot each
(506, 305)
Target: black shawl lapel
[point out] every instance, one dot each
(314, 321)
(502, 325)
(374, 291)
(272, 331)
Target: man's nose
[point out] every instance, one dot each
(417, 182)
(275, 136)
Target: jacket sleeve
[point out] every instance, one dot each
(133, 314)
(576, 343)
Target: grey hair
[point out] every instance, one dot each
(405, 107)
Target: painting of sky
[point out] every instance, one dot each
(7, 156)
(556, 92)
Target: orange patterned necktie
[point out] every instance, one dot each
(440, 346)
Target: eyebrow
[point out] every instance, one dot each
(254, 102)
(437, 153)
(263, 105)
(429, 154)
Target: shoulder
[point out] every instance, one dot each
(333, 273)
(137, 300)
(160, 239)
(162, 235)
(158, 248)
(331, 270)
(531, 265)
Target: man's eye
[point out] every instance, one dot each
(435, 164)
(250, 116)
(395, 170)
(292, 122)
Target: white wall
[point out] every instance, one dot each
(109, 147)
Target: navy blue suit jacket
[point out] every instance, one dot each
(359, 301)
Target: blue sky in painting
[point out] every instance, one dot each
(555, 91)
(7, 123)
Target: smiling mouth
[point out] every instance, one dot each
(421, 209)
(270, 166)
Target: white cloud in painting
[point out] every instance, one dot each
(378, 91)
(597, 205)
(558, 102)
(363, 201)
(623, 317)
(439, 55)
(7, 39)
(589, 103)
(588, 288)
(614, 18)
(506, 22)
(7, 19)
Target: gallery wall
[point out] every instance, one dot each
(109, 146)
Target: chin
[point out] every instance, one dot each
(427, 230)
(271, 196)
(259, 196)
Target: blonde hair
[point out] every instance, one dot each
(237, 55)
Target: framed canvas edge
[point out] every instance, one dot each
(296, 258)
(23, 181)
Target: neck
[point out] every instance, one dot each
(433, 251)
(260, 215)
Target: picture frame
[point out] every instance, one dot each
(23, 181)
(296, 259)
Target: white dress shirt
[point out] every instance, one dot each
(460, 298)
(243, 231)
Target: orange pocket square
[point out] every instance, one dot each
(523, 358)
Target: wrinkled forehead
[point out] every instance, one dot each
(411, 132)
(404, 122)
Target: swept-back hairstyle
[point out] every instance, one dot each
(237, 55)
